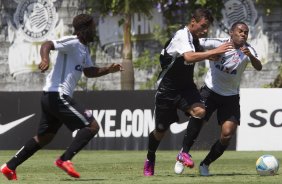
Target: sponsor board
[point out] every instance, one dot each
(125, 117)
(261, 120)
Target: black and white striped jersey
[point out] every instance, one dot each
(176, 73)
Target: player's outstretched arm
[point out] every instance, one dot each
(45, 49)
(193, 57)
(97, 72)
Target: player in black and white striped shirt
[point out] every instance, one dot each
(176, 87)
(58, 106)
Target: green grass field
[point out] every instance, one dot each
(126, 167)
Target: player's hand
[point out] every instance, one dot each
(246, 51)
(225, 47)
(43, 65)
(115, 68)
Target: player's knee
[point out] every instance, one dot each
(227, 133)
(94, 127)
(225, 138)
(44, 139)
(159, 134)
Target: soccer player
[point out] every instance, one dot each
(176, 87)
(221, 93)
(58, 106)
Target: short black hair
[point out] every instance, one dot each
(81, 22)
(200, 13)
(234, 25)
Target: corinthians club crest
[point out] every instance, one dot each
(245, 10)
(238, 10)
(35, 19)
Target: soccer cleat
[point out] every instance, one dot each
(67, 166)
(185, 159)
(204, 170)
(178, 167)
(149, 168)
(10, 174)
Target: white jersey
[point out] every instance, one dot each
(224, 75)
(181, 42)
(72, 58)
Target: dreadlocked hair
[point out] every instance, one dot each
(81, 22)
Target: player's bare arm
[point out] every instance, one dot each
(192, 57)
(44, 53)
(97, 72)
(255, 61)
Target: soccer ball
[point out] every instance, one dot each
(267, 165)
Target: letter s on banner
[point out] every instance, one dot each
(260, 127)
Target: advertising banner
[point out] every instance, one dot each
(261, 120)
(126, 118)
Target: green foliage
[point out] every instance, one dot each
(277, 83)
(120, 7)
(145, 61)
(160, 35)
(148, 62)
(181, 9)
(269, 6)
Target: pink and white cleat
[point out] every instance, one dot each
(149, 168)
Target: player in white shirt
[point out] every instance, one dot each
(221, 92)
(58, 106)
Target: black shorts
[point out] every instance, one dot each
(60, 109)
(228, 107)
(168, 101)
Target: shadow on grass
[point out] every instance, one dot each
(234, 174)
(83, 179)
(212, 175)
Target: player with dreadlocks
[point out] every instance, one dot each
(57, 105)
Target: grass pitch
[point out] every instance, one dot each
(126, 167)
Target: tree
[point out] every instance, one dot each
(277, 83)
(174, 11)
(125, 9)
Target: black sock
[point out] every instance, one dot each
(81, 139)
(23, 154)
(193, 129)
(152, 147)
(215, 152)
